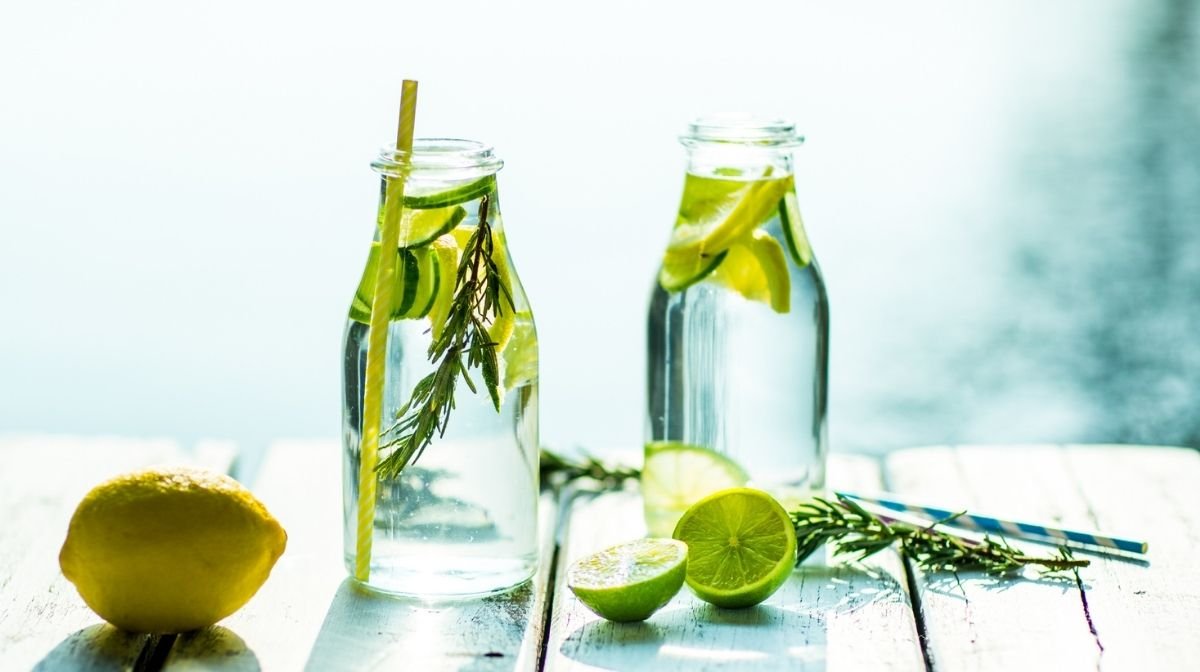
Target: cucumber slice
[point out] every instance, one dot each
(427, 289)
(793, 229)
(461, 194)
(408, 278)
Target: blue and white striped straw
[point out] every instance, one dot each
(1009, 528)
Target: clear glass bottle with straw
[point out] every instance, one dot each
(738, 338)
(457, 516)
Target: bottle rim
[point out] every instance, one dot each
(742, 129)
(438, 155)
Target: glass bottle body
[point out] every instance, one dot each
(738, 335)
(462, 518)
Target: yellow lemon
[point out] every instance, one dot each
(169, 550)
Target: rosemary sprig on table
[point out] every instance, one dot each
(848, 527)
(463, 344)
(557, 470)
(853, 530)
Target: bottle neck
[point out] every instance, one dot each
(740, 162)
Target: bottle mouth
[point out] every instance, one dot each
(443, 157)
(742, 129)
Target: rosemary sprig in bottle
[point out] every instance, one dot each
(853, 530)
(463, 344)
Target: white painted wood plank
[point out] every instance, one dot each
(979, 623)
(1144, 617)
(835, 617)
(44, 624)
(310, 616)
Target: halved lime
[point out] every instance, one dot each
(793, 229)
(445, 250)
(677, 475)
(741, 547)
(631, 581)
(421, 227)
(417, 199)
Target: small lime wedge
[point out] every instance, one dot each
(631, 581)
(741, 547)
(677, 475)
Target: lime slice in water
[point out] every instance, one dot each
(716, 212)
(793, 229)
(445, 250)
(521, 353)
(682, 268)
(741, 547)
(421, 227)
(677, 475)
(631, 581)
(756, 268)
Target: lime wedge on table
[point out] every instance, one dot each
(631, 581)
(677, 475)
(741, 547)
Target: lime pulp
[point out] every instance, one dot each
(631, 581)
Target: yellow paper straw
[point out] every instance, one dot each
(372, 416)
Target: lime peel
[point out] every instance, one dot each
(631, 581)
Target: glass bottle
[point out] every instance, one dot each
(738, 343)
(461, 519)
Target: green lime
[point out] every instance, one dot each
(756, 268)
(445, 250)
(793, 229)
(741, 547)
(439, 198)
(421, 227)
(631, 581)
(677, 475)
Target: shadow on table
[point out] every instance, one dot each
(214, 647)
(383, 632)
(97, 647)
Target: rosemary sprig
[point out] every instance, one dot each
(853, 530)
(463, 344)
(558, 470)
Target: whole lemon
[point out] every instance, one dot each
(170, 549)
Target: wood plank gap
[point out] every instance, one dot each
(548, 586)
(910, 579)
(154, 653)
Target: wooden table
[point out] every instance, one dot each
(881, 614)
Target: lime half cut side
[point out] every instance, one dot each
(677, 475)
(421, 227)
(741, 547)
(631, 581)
(756, 268)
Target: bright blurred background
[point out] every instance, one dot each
(1004, 197)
